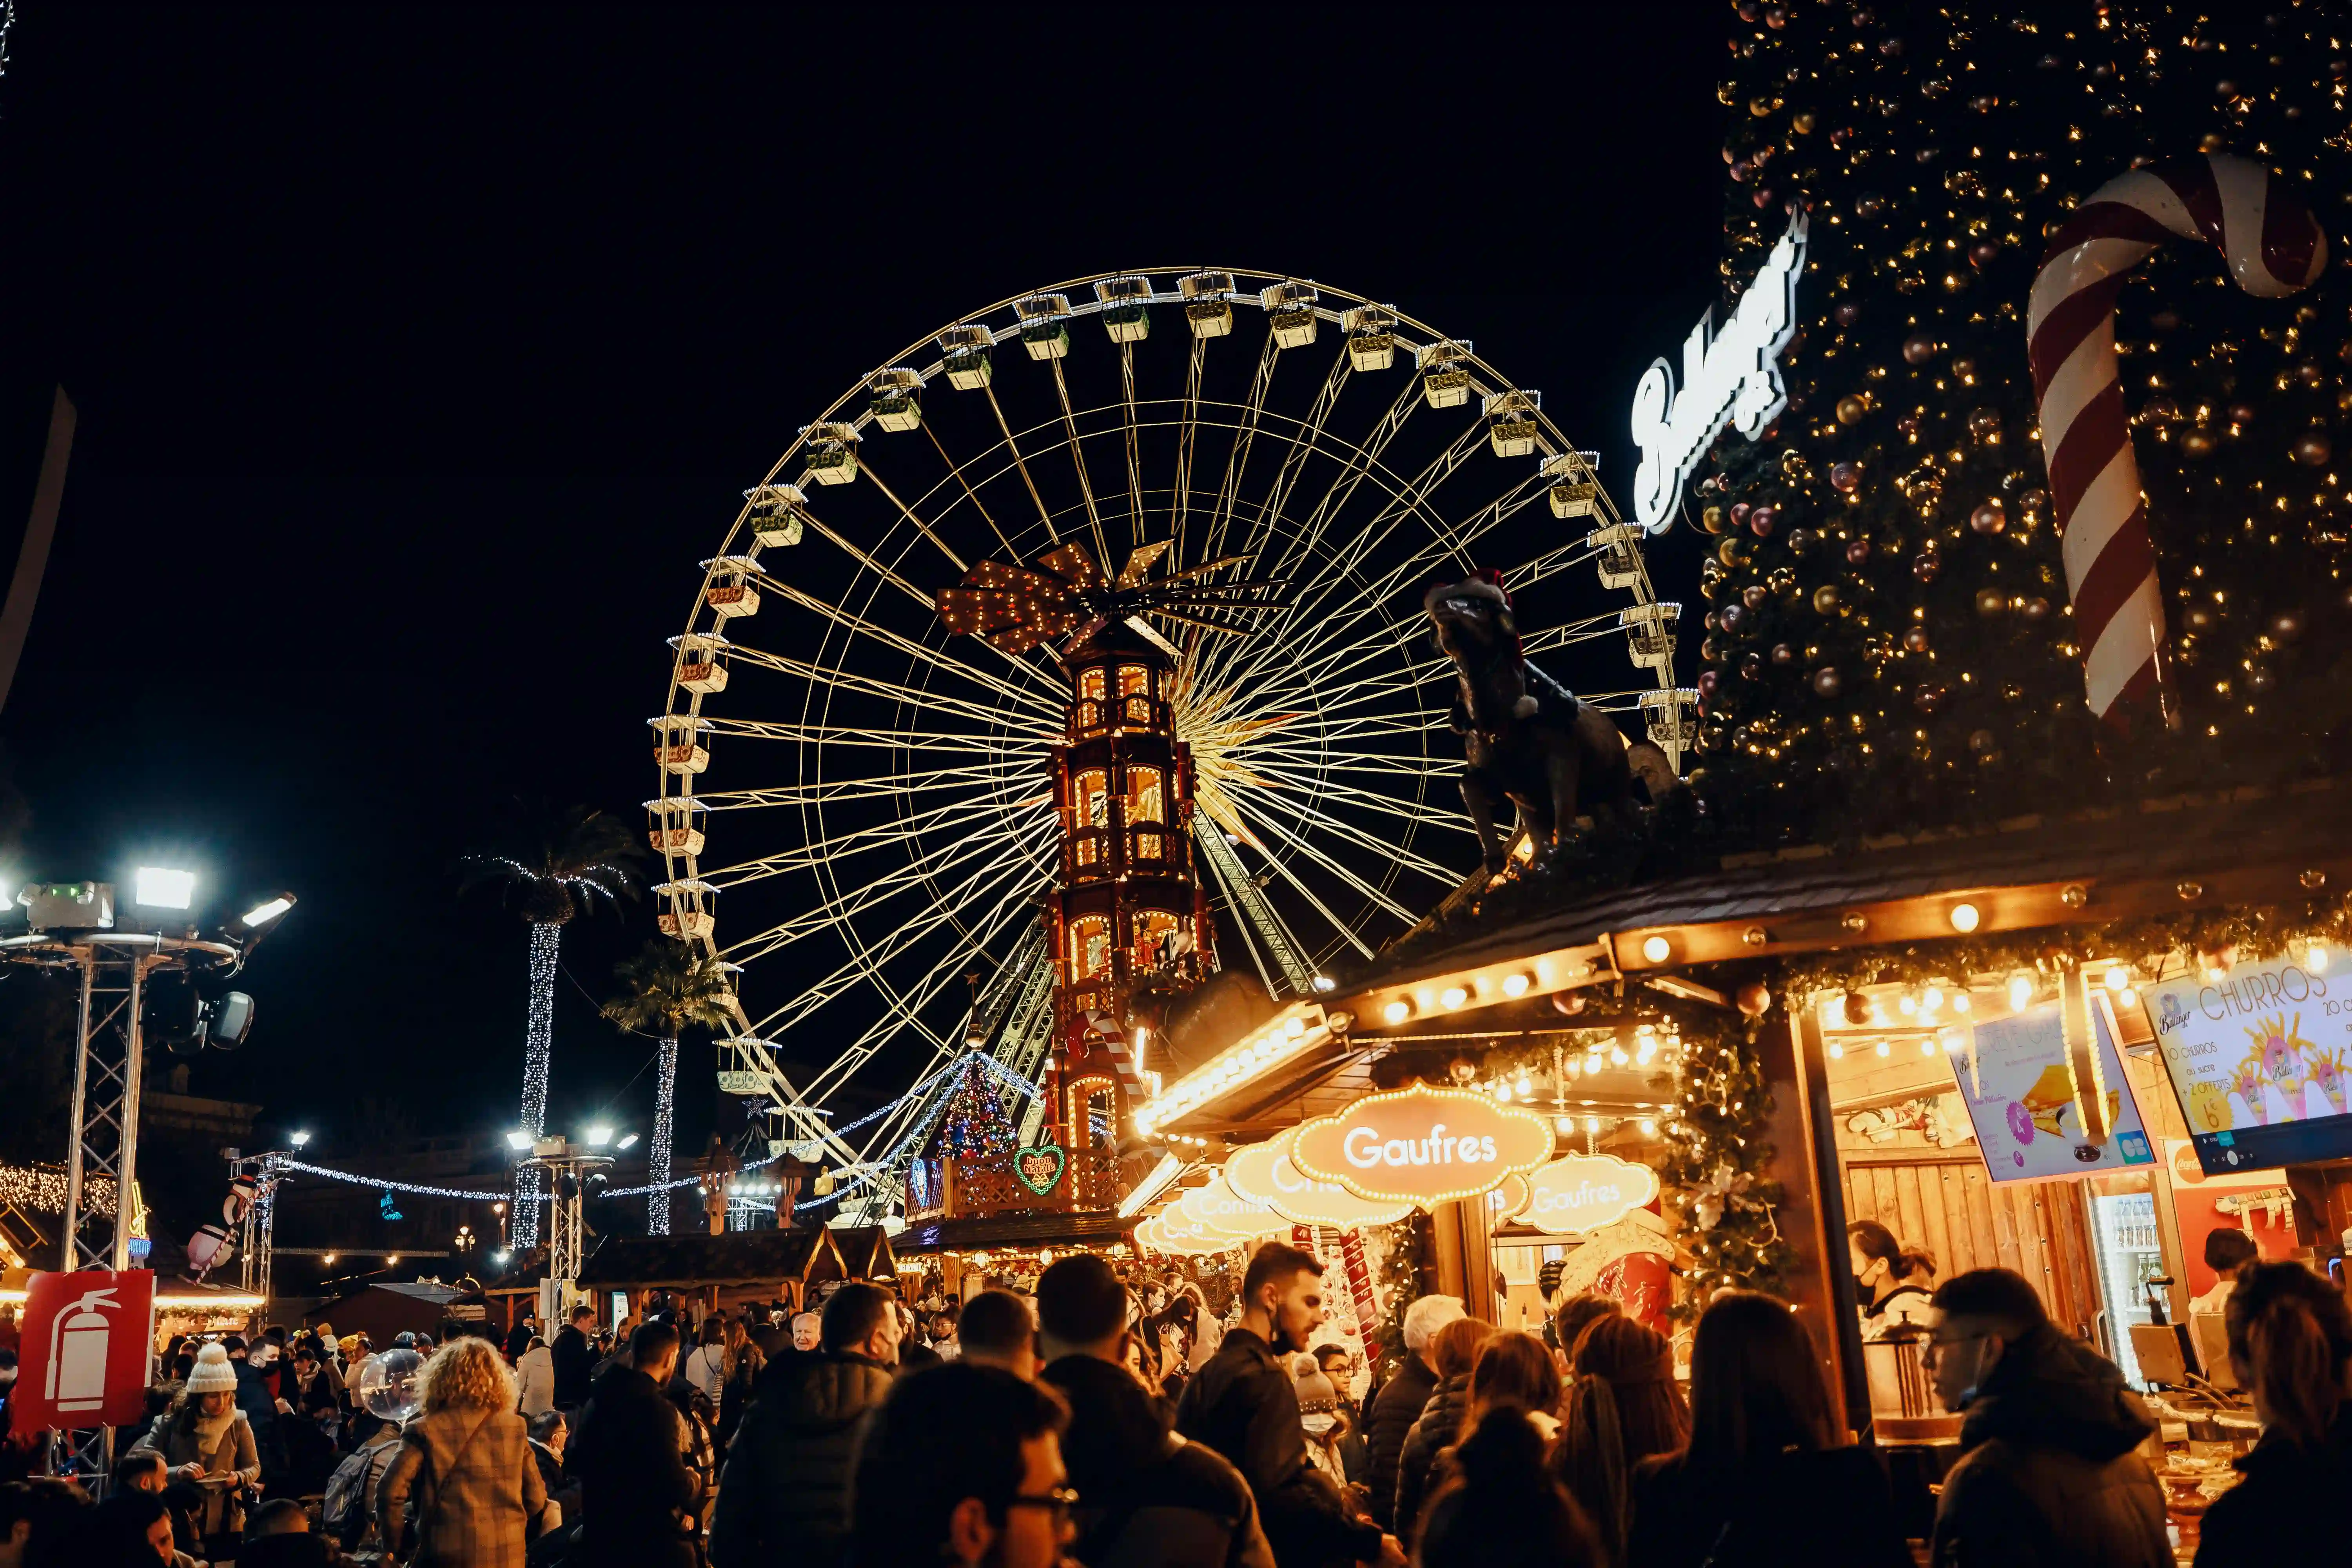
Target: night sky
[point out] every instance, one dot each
(421, 353)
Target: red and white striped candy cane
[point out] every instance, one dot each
(2274, 247)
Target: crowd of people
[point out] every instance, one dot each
(1092, 1422)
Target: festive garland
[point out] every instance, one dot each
(1717, 1170)
(2155, 944)
(1406, 1272)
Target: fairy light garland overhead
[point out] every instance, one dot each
(42, 1189)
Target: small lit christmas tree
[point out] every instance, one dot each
(975, 1124)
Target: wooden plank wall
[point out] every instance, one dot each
(1944, 1202)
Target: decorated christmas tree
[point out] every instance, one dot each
(1891, 641)
(974, 1123)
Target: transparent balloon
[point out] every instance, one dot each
(389, 1385)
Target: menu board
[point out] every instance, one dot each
(2261, 1060)
(2020, 1095)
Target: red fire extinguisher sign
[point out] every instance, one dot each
(87, 1344)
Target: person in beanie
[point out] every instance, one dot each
(205, 1435)
(1392, 1411)
(2291, 1337)
(1146, 1499)
(1243, 1405)
(2047, 1470)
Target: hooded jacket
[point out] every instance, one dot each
(1395, 1410)
(1244, 1406)
(785, 1491)
(1149, 1498)
(2286, 1509)
(2047, 1474)
(637, 1495)
(1434, 1430)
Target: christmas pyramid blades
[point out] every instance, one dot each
(1016, 609)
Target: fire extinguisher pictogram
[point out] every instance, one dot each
(79, 1339)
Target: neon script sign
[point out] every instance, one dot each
(1422, 1145)
(1730, 377)
(1578, 1193)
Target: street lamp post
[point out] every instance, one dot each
(567, 1167)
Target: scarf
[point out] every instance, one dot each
(211, 1429)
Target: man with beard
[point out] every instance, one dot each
(1243, 1405)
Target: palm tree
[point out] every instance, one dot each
(555, 866)
(669, 987)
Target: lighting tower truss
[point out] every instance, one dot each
(112, 970)
(874, 793)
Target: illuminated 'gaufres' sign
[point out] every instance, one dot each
(1730, 377)
(1581, 1193)
(1422, 1145)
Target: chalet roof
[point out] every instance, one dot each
(2177, 840)
(737, 1258)
(866, 1251)
(1097, 1228)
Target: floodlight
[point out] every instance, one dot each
(156, 887)
(628, 1141)
(501, 1255)
(299, 1139)
(229, 1020)
(518, 1140)
(599, 1135)
(265, 909)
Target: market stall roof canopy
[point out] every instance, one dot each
(1003, 1232)
(738, 1258)
(2113, 863)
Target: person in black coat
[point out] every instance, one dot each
(1764, 1483)
(1392, 1410)
(1146, 1500)
(785, 1492)
(2291, 1339)
(574, 1354)
(1437, 1428)
(636, 1491)
(1243, 1405)
(2047, 1470)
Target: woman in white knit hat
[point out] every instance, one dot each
(205, 1438)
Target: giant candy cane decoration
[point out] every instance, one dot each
(2274, 247)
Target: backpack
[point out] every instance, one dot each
(350, 1505)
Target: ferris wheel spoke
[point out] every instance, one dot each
(1417, 811)
(1305, 443)
(1078, 462)
(1305, 814)
(1237, 455)
(1277, 866)
(1043, 699)
(1342, 488)
(864, 965)
(909, 513)
(955, 471)
(840, 847)
(1187, 433)
(860, 735)
(1246, 910)
(1423, 672)
(1051, 536)
(863, 559)
(877, 786)
(895, 692)
(1134, 452)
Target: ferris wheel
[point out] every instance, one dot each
(858, 802)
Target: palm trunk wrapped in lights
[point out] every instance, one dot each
(665, 1128)
(538, 1051)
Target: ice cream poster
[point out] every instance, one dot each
(2021, 1095)
(2265, 1044)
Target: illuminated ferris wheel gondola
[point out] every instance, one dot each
(1083, 642)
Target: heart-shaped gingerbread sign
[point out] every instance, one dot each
(1040, 1169)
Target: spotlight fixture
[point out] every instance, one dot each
(599, 1135)
(628, 1141)
(299, 1139)
(518, 1140)
(159, 887)
(264, 910)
